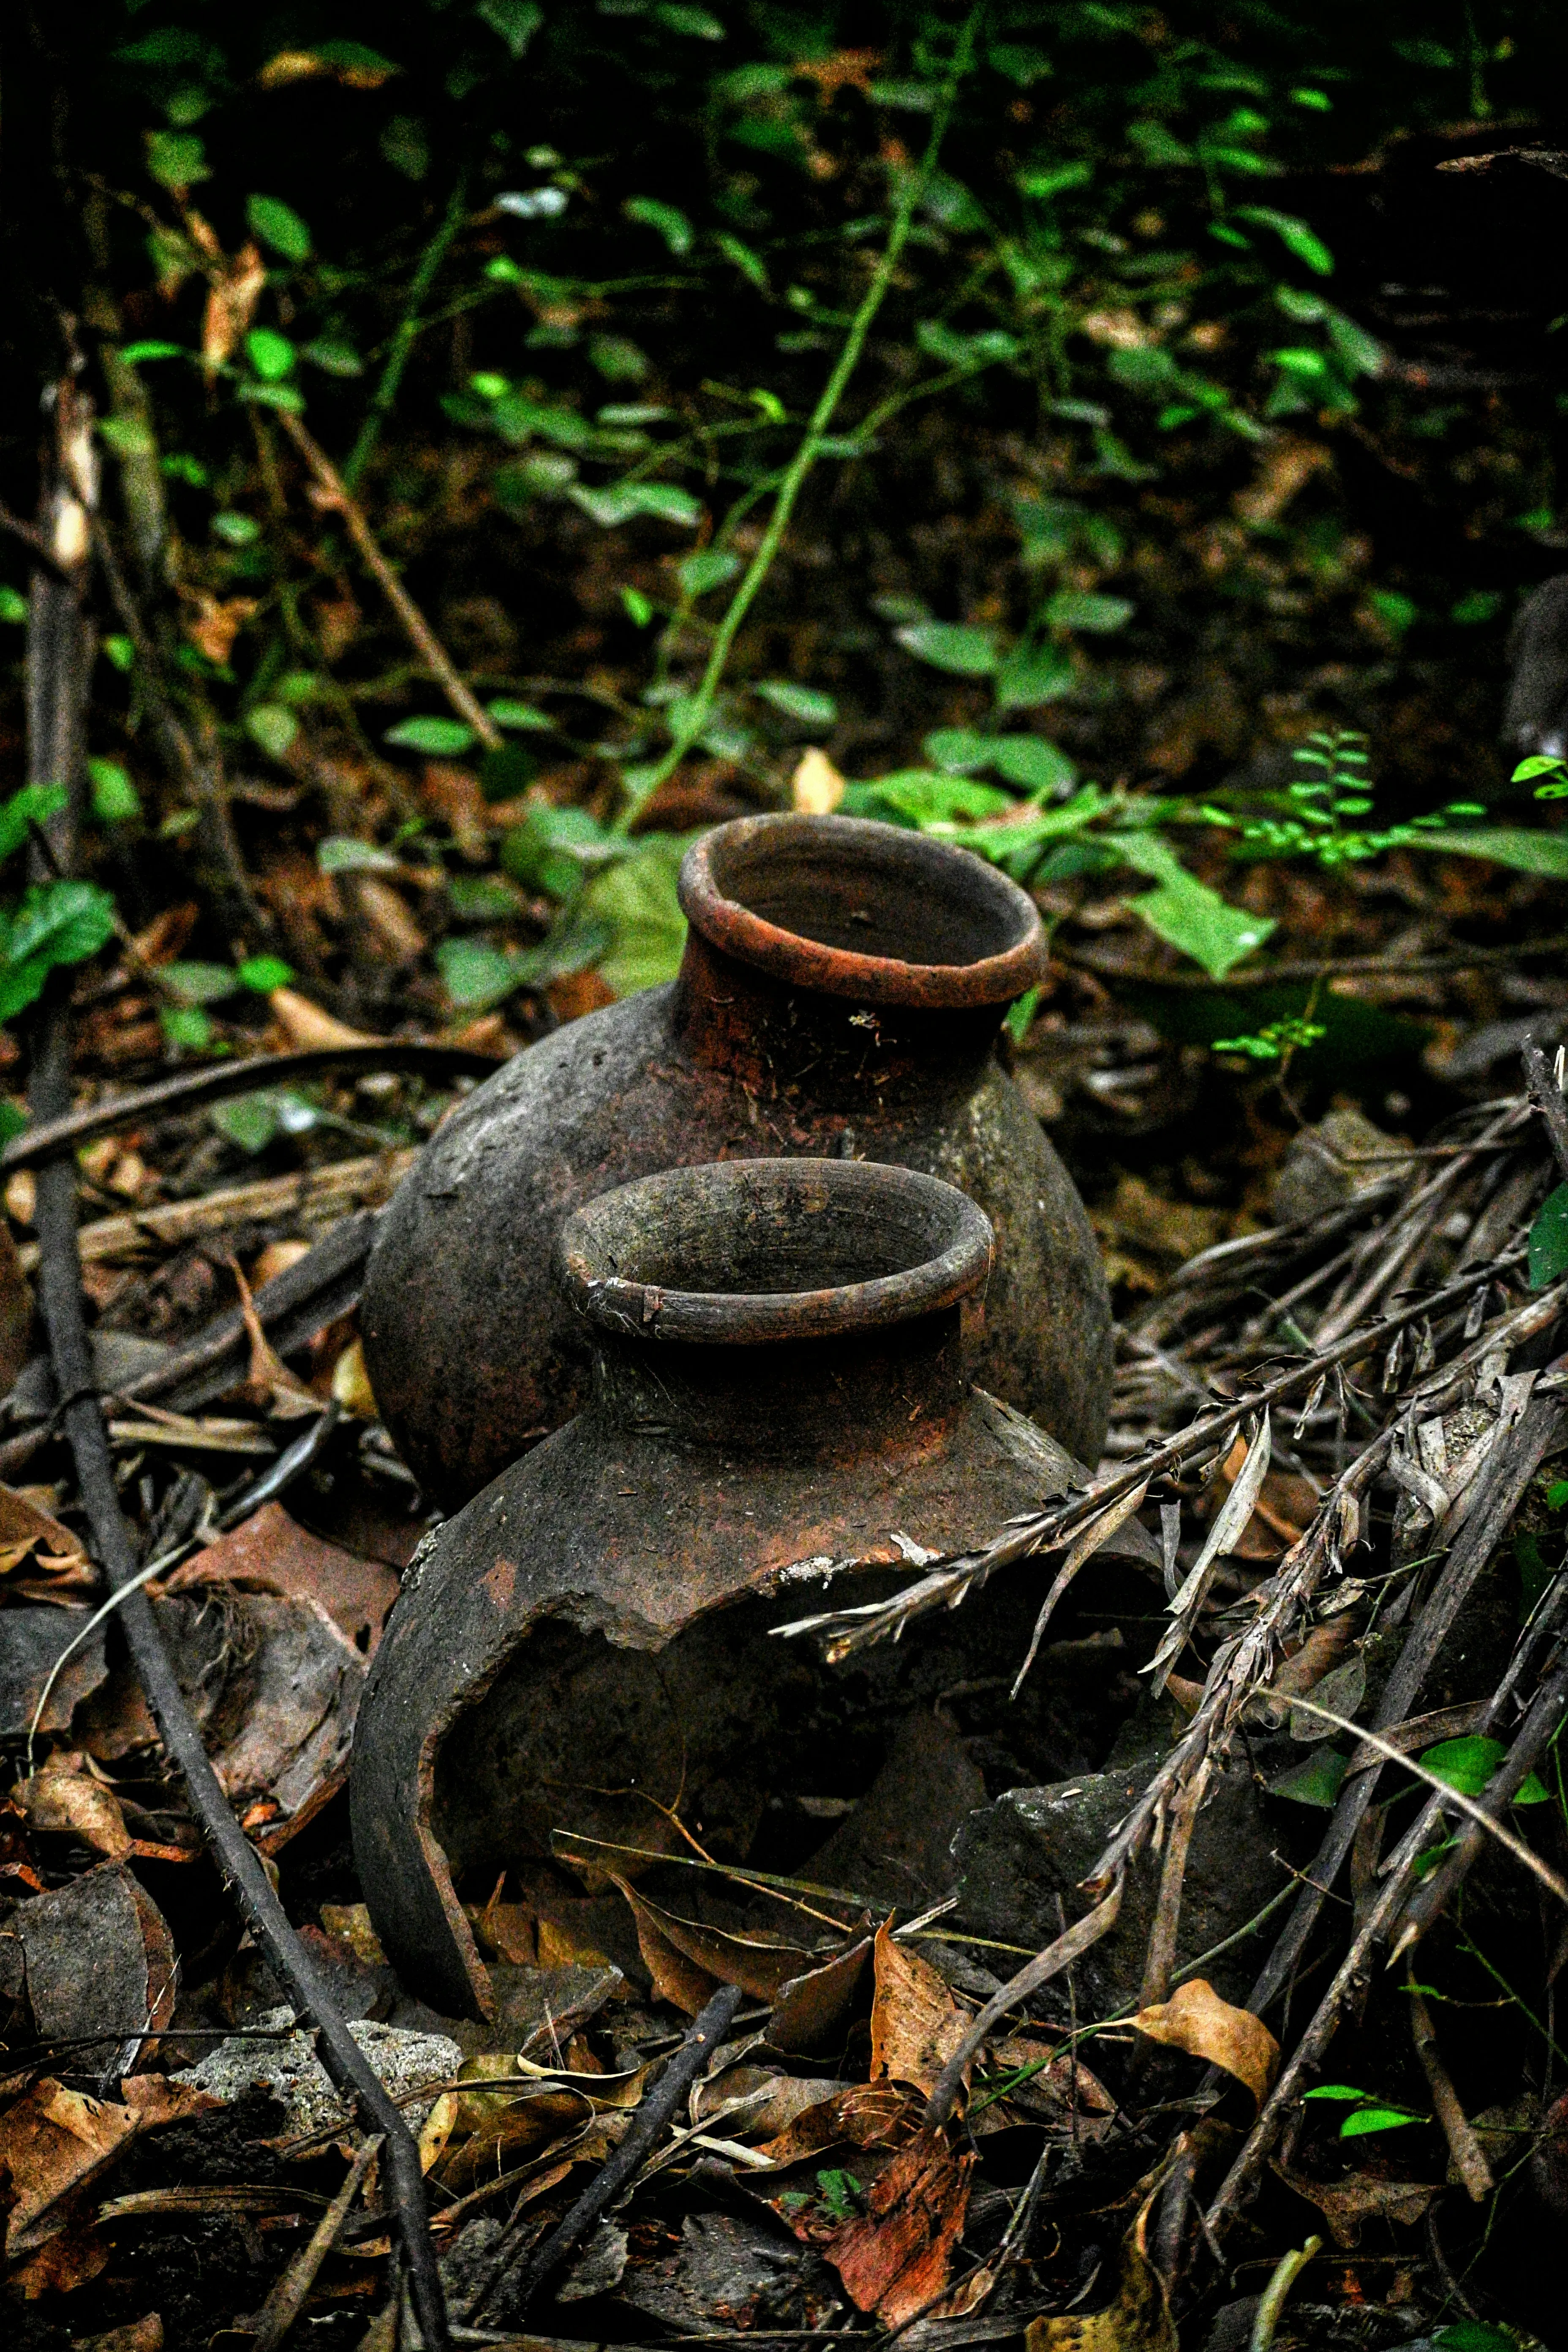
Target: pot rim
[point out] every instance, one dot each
(959, 1250)
(926, 867)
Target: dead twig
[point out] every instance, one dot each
(287, 2300)
(338, 496)
(707, 2031)
(1546, 1094)
(1068, 1946)
(1469, 2157)
(194, 1088)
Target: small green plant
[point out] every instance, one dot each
(840, 2195)
(53, 922)
(1368, 2113)
(1273, 1041)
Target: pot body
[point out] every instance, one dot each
(592, 1632)
(473, 1355)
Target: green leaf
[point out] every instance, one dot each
(250, 1121)
(1034, 763)
(750, 265)
(341, 854)
(276, 224)
(1021, 1015)
(1540, 763)
(1075, 608)
(940, 342)
(118, 652)
(273, 728)
(806, 704)
(269, 353)
(670, 224)
(1468, 1765)
(711, 569)
(13, 607)
(521, 716)
(333, 355)
(1316, 1782)
(1184, 912)
(115, 799)
(1366, 2120)
(927, 798)
(34, 804)
(1548, 1240)
(1526, 851)
(236, 529)
(516, 21)
(1474, 2336)
(201, 983)
(440, 739)
(1335, 2091)
(696, 24)
(476, 976)
(967, 652)
(177, 159)
(137, 355)
(1293, 234)
(552, 849)
(621, 501)
(505, 774)
(483, 898)
(1032, 675)
(636, 899)
(185, 1025)
(263, 973)
(66, 921)
(959, 750)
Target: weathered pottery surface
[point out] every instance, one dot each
(780, 1383)
(842, 990)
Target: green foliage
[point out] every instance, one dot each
(1548, 1240)
(1317, 1782)
(1468, 1764)
(1368, 2114)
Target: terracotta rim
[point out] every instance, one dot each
(948, 1239)
(895, 859)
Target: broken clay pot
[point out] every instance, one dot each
(780, 1385)
(842, 990)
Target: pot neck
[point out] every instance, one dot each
(891, 1392)
(779, 1038)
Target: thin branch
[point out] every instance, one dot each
(695, 715)
(1469, 2157)
(1546, 1094)
(415, 627)
(1068, 1946)
(406, 332)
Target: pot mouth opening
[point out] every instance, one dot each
(743, 1252)
(863, 910)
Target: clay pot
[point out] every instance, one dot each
(780, 1384)
(798, 1024)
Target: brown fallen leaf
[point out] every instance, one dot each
(100, 1962)
(55, 2141)
(63, 1799)
(305, 1025)
(1137, 2320)
(137, 2336)
(812, 2009)
(816, 787)
(894, 2260)
(916, 2024)
(270, 1552)
(868, 2114)
(212, 623)
(1195, 2020)
(1361, 2197)
(759, 1965)
(40, 1559)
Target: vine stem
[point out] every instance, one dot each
(406, 332)
(694, 717)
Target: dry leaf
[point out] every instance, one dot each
(63, 1799)
(137, 2336)
(1195, 2020)
(390, 919)
(868, 2114)
(212, 623)
(16, 1311)
(55, 2140)
(916, 2024)
(813, 2008)
(691, 1955)
(231, 305)
(270, 1552)
(895, 2259)
(305, 1025)
(52, 1558)
(350, 1383)
(1360, 2196)
(1138, 2320)
(816, 787)
(100, 1961)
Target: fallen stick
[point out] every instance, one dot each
(287, 2300)
(656, 2110)
(261, 1071)
(343, 1185)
